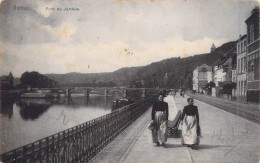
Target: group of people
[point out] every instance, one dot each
(189, 119)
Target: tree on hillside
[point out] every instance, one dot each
(36, 80)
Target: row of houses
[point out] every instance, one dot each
(241, 67)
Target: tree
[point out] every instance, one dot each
(227, 87)
(209, 87)
(36, 80)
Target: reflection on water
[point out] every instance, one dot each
(31, 110)
(6, 107)
(27, 120)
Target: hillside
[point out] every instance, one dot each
(170, 73)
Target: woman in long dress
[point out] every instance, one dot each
(190, 125)
(160, 118)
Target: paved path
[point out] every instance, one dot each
(226, 138)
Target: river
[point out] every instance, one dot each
(28, 120)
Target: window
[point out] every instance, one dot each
(239, 88)
(238, 48)
(245, 45)
(242, 88)
(251, 38)
(241, 65)
(252, 67)
(242, 47)
(245, 88)
(238, 66)
(244, 64)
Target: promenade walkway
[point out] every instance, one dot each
(226, 138)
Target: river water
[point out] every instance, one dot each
(28, 120)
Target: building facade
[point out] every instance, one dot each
(201, 76)
(241, 67)
(229, 65)
(253, 81)
(219, 75)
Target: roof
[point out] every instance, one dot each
(204, 67)
(242, 38)
(254, 12)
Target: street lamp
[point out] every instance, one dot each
(154, 77)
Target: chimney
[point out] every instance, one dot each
(254, 10)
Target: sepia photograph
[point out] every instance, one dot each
(129, 81)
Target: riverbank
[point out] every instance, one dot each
(10, 93)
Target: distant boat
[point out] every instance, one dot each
(120, 103)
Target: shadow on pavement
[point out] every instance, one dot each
(202, 146)
(207, 146)
(174, 145)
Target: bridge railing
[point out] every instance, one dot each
(80, 143)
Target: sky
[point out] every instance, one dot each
(105, 35)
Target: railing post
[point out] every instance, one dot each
(53, 154)
(32, 154)
(24, 153)
(40, 149)
(64, 147)
(47, 149)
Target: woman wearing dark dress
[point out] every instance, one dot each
(160, 118)
(190, 124)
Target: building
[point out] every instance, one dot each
(219, 75)
(241, 67)
(201, 76)
(253, 81)
(234, 76)
(228, 66)
(7, 81)
(213, 48)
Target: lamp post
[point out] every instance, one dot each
(154, 78)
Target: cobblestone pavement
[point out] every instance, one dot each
(226, 138)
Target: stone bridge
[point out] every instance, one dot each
(106, 91)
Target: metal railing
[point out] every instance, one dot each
(80, 143)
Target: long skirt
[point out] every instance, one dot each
(189, 131)
(159, 133)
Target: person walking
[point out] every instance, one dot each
(160, 113)
(190, 125)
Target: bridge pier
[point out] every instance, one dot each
(125, 93)
(67, 93)
(143, 93)
(86, 93)
(106, 92)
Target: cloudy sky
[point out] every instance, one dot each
(105, 35)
